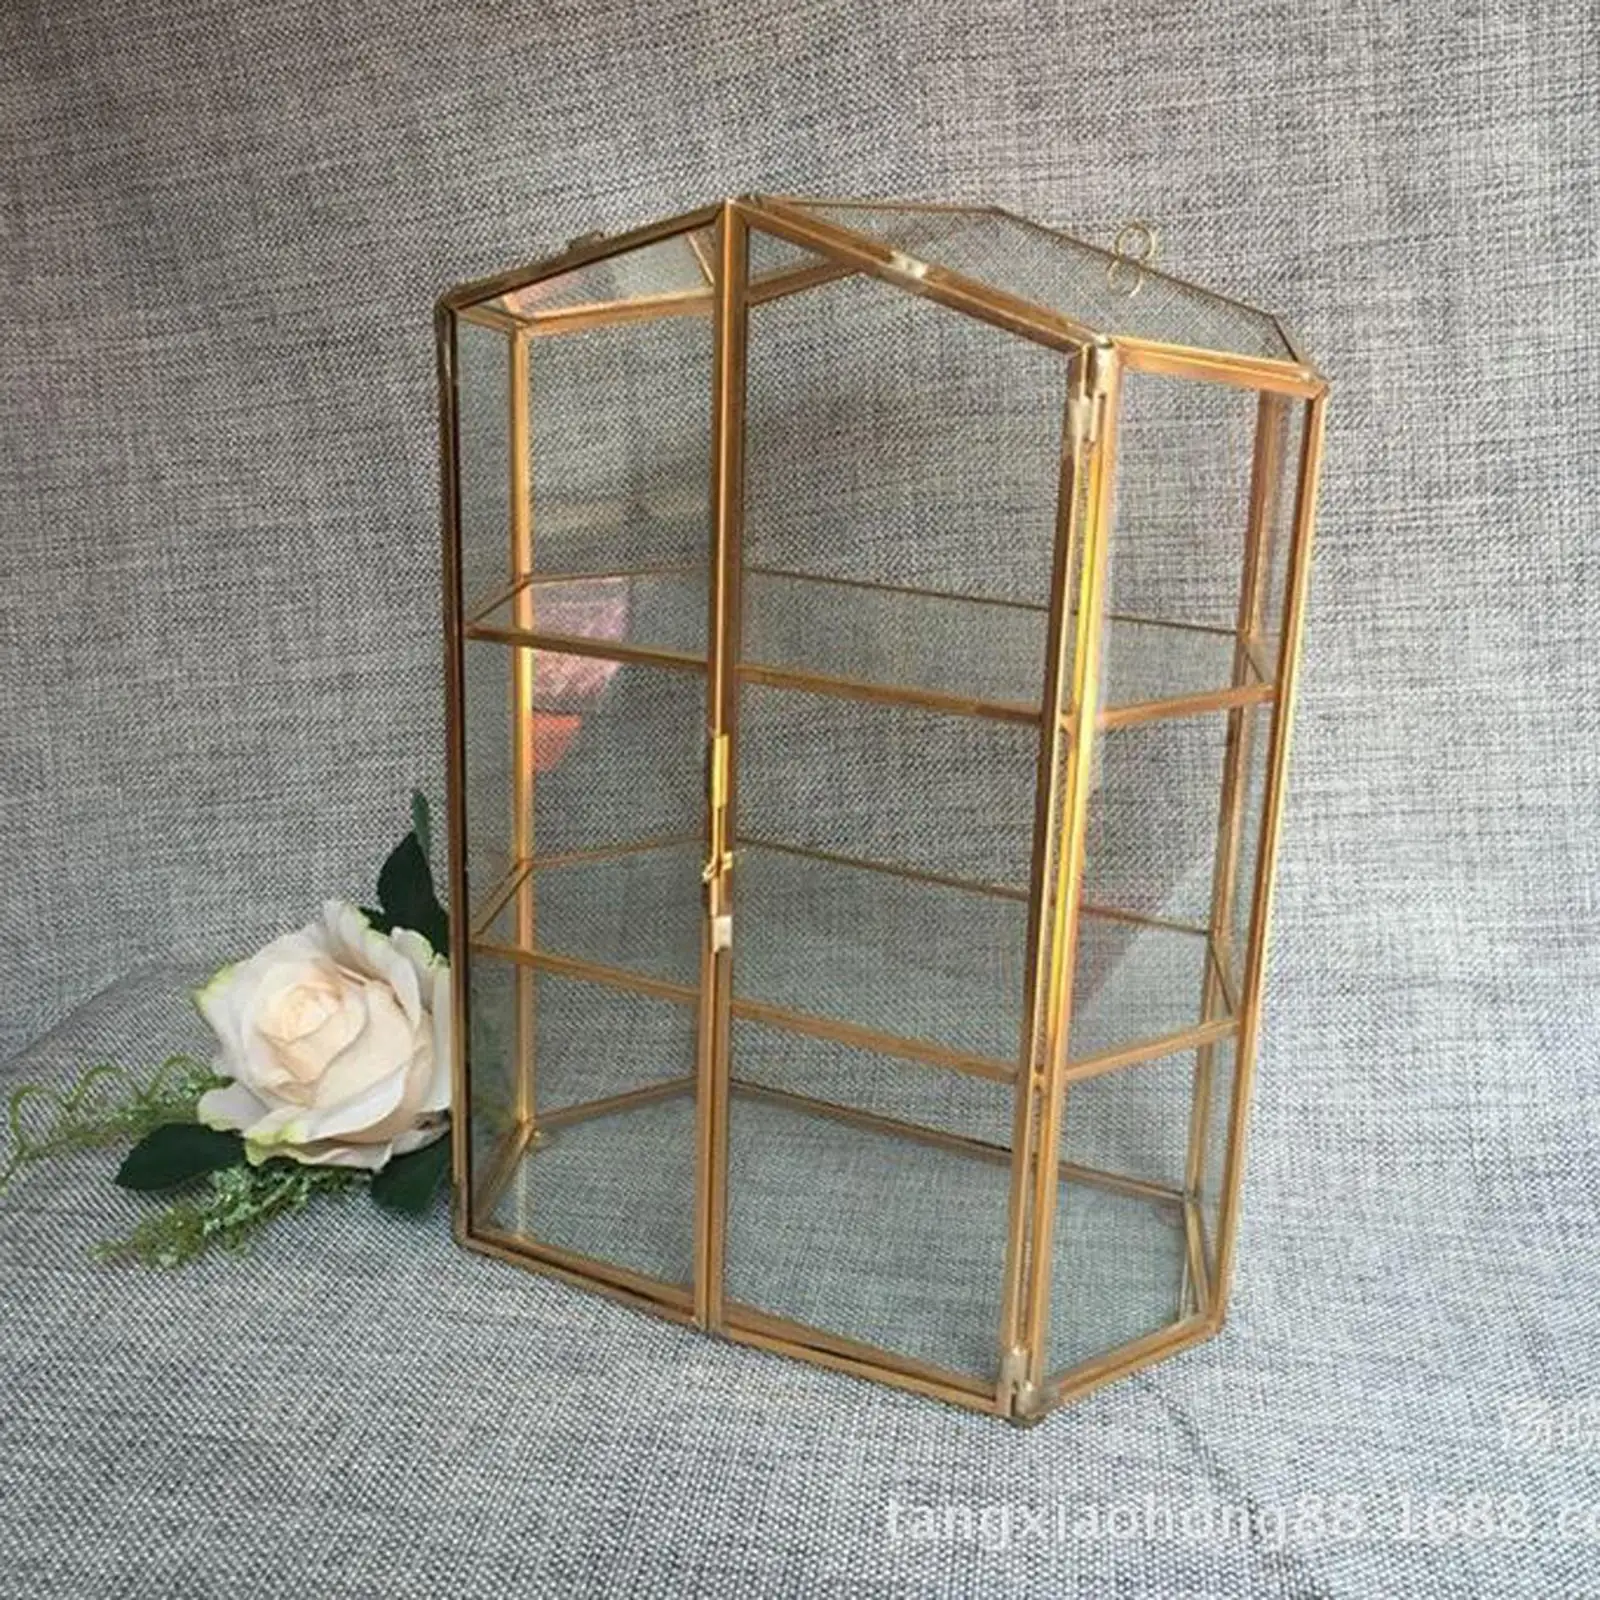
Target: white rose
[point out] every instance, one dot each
(338, 1041)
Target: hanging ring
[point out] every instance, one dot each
(1133, 249)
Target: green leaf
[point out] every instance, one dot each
(378, 920)
(405, 891)
(178, 1152)
(409, 1183)
(422, 823)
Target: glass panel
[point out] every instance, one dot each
(1066, 276)
(1149, 866)
(900, 638)
(651, 610)
(1178, 553)
(483, 375)
(880, 1239)
(1134, 1122)
(919, 960)
(620, 446)
(896, 785)
(1217, 1081)
(610, 1181)
(1117, 1273)
(640, 911)
(892, 441)
(585, 793)
(925, 792)
(864, 1080)
(677, 265)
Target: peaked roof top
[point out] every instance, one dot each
(1043, 283)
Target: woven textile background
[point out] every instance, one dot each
(223, 228)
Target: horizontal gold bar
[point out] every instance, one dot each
(466, 295)
(874, 1122)
(1188, 705)
(591, 972)
(609, 313)
(1218, 366)
(912, 874)
(857, 203)
(566, 1116)
(587, 1271)
(754, 1320)
(877, 1372)
(1142, 919)
(872, 586)
(1119, 1183)
(889, 1044)
(882, 694)
(1077, 1382)
(956, 1143)
(1167, 1044)
(567, 644)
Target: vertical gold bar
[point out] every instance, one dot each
(520, 499)
(722, 716)
(1106, 379)
(1271, 414)
(455, 762)
(1254, 975)
(1047, 788)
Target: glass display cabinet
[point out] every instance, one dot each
(872, 634)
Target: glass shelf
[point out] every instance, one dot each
(929, 970)
(802, 628)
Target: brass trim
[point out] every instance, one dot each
(867, 254)
(752, 1319)
(581, 254)
(445, 357)
(638, 1288)
(1218, 366)
(1079, 1381)
(608, 1105)
(1254, 978)
(880, 1367)
(1000, 891)
(925, 1051)
(1106, 371)
(609, 313)
(568, 644)
(1151, 1049)
(591, 972)
(884, 694)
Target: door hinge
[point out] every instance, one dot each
(1084, 407)
(1019, 1397)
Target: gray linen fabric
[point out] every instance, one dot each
(223, 228)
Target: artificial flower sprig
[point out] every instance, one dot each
(332, 1069)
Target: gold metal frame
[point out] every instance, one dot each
(1068, 719)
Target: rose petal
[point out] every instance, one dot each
(438, 1095)
(356, 941)
(333, 1153)
(230, 1109)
